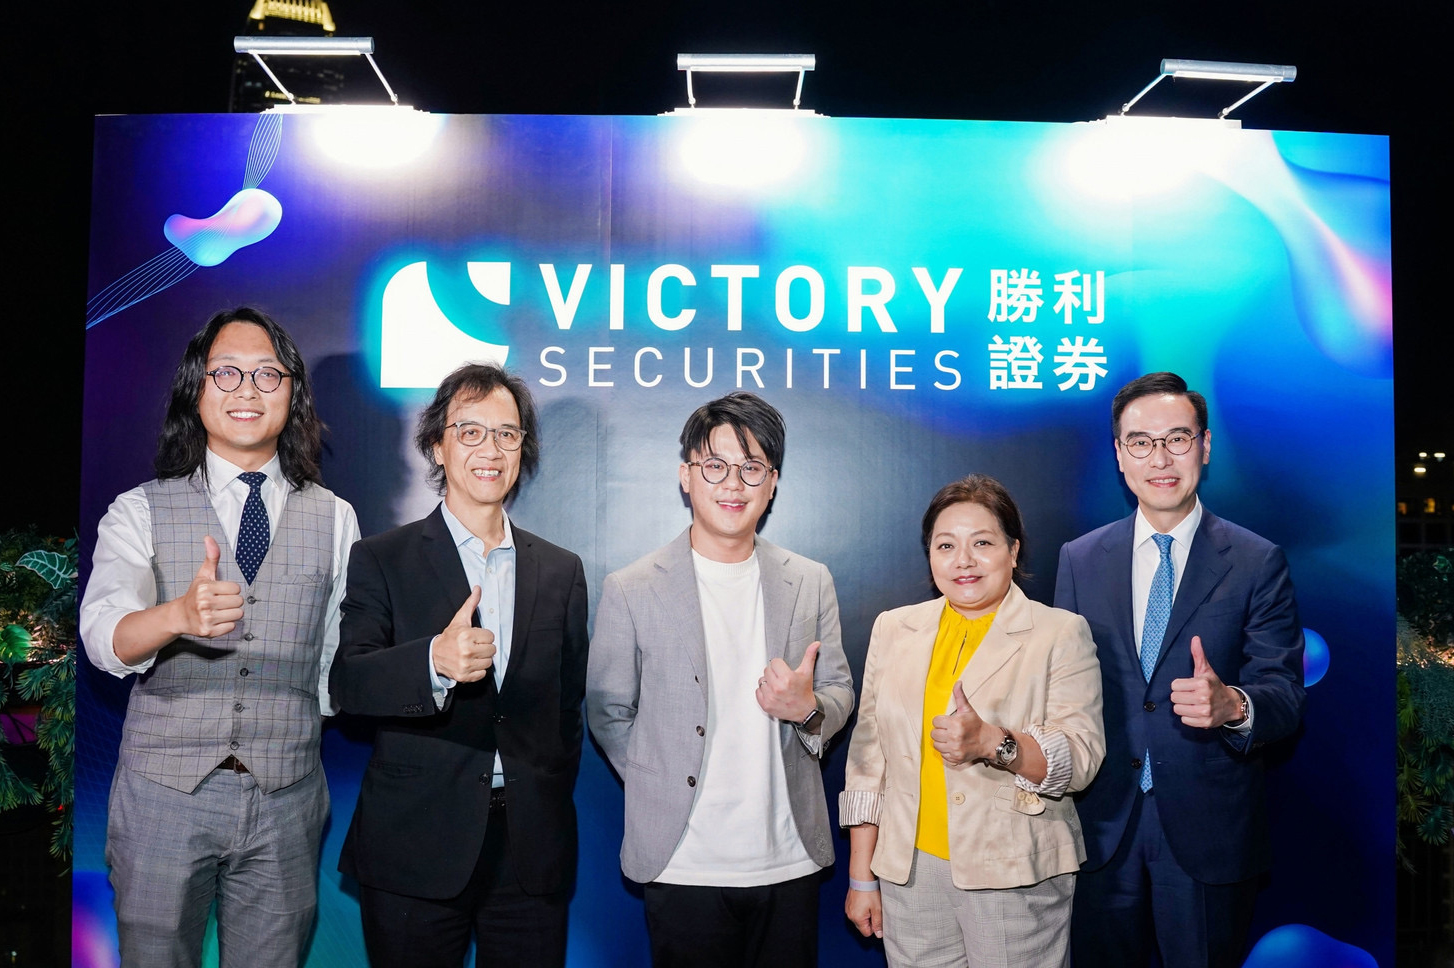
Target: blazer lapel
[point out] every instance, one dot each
(1206, 566)
(527, 575)
(676, 594)
(1116, 569)
(999, 643)
(913, 649)
(780, 589)
(442, 558)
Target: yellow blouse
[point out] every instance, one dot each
(954, 646)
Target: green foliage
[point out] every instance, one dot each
(1425, 705)
(1426, 593)
(38, 667)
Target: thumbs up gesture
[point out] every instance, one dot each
(962, 736)
(462, 652)
(787, 693)
(210, 607)
(1203, 701)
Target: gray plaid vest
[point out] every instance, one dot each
(252, 693)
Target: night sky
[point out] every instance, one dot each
(1369, 68)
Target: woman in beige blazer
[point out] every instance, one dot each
(980, 714)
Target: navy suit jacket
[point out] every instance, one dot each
(424, 799)
(1237, 595)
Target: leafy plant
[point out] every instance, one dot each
(1425, 706)
(38, 666)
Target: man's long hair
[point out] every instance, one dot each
(182, 444)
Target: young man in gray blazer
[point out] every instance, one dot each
(717, 676)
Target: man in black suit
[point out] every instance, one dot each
(466, 636)
(1201, 653)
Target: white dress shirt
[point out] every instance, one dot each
(1146, 558)
(122, 580)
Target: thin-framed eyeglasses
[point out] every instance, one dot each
(715, 470)
(472, 434)
(1176, 443)
(265, 378)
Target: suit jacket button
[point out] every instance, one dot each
(242, 672)
(1135, 764)
(1150, 707)
(251, 600)
(487, 778)
(691, 781)
(499, 717)
(247, 636)
(957, 798)
(701, 731)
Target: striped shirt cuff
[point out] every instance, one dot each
(859, 806)
(1058, 766)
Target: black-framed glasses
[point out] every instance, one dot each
(1176, 443)
(715, 470)
(472, 434)
(265, 378)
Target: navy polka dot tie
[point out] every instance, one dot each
(253, 536)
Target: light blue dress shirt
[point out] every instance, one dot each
(495, 574)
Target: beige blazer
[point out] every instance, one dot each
(1036, 666)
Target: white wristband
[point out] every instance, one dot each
(863, 885)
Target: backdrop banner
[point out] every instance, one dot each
(921, 300)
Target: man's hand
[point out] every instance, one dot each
(210, 608)
(1202, 701)
(866, 910)
(462, 652)
(962, 736)
(786, 693)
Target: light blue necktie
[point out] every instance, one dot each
(1158, 613)
(253, 536)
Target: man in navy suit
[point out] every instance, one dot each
(1201, 653)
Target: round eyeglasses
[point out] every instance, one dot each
(715, 470)
(265, 378)
(1177, 443)
(471, 434)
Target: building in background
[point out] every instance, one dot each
(314, 80)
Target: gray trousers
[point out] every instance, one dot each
(173, 854)
(930, 923)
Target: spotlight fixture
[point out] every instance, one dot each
(746, 64)
(258, 46)
(1261, 74)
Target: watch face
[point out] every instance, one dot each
(1007, 750)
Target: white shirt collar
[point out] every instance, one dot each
(463, 536)
(1181, 534)
(222, 473)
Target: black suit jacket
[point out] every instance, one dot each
(424, 800)
(1237, 595)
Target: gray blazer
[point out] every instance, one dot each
(646, 691)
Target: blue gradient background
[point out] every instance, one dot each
(1256, 264)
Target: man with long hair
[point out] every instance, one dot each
(465, 635)
(217, 585)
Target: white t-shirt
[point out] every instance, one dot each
(740, 832)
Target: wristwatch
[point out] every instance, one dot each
(808, 719)
(1008, 750)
